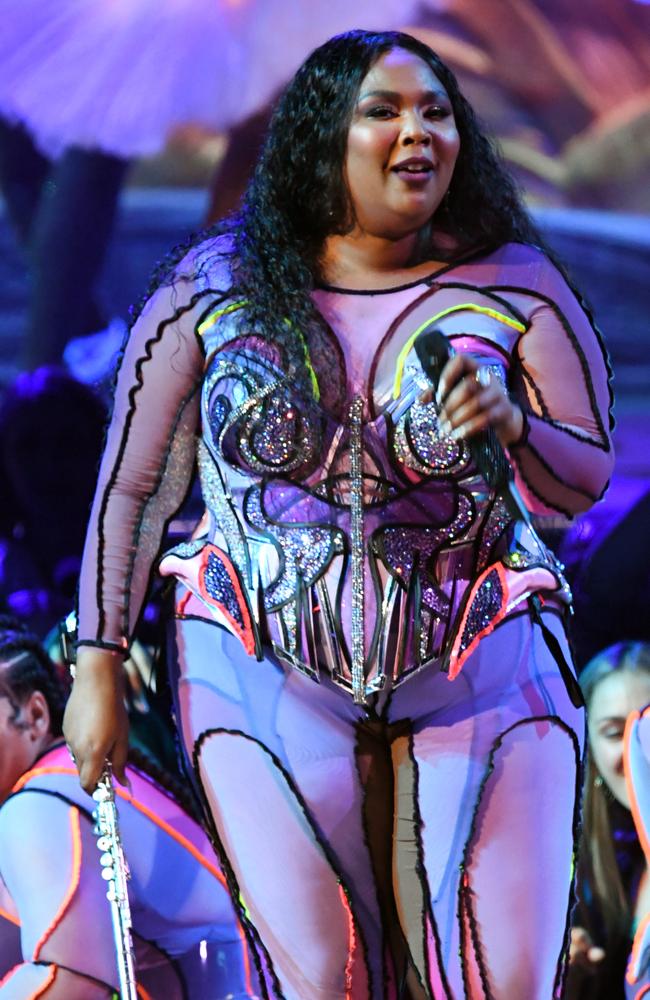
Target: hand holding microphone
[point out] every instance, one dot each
(474, 408)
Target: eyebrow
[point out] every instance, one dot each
(394, 95)
(611, 718)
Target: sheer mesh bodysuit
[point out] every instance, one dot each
(360, 684)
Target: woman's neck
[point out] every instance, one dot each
(361, 260)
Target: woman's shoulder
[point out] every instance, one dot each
(208, 262)
(521, 266)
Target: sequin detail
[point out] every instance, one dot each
(220, 504)
(220, 587)
(400, 547)
(306, 551)
(486, 605)
(355, 417)
(276, 436)
(496, 522)
(420, 446)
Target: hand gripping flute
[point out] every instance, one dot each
(115, 871)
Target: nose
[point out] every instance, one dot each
(414, 130)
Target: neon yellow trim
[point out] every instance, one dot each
(401, 360)
(310, 368)
(210, 320)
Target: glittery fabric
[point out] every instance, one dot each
(496, 522)
(358, 548)
(419, 443)
(219, 587)
(484, 608)
(355, 530)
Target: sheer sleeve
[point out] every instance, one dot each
(561, 375)
(147, 464)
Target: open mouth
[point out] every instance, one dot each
(414, 169)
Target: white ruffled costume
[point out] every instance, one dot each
(120, 75)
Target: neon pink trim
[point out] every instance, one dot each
(73, 886)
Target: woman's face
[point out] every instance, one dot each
(402, 146)
(613, 700)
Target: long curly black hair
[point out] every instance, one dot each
(298, 197)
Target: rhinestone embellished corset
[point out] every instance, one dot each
(348, 543)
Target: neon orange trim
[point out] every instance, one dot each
(36, 772)
(633, 960)
(8, 975)
(74, 881)
(634, 803)
(11, 917)
(142, 992)
(182, 604)
(245, 634)
(643, 992)
(46, 985)
(458, 661)
(352, 945)
(178, 837)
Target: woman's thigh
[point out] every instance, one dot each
(276, 757)
(486, 783)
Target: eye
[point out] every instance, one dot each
(381, 111)
(437, 112)
(613, 734)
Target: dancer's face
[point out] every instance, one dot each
(402, 146)
(24, 732)
(615, 697)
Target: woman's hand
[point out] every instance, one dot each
(473, 399)
(95, 724)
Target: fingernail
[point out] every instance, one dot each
(457, 434)
(446, 428)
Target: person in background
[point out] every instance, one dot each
(56, 939)
(613, 885)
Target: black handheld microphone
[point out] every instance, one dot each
(433, 352)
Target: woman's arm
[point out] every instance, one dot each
(144, 475)
(557, 423)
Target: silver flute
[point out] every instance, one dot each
(115, 871)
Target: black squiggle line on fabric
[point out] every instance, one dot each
(558, 479)
(110, 484)
(86, 813)
(253, 939)
(322, 843)
(577, 346)
(44, 964)
(137, 528)
(420, 868)
(554, 504)
(464, 895)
